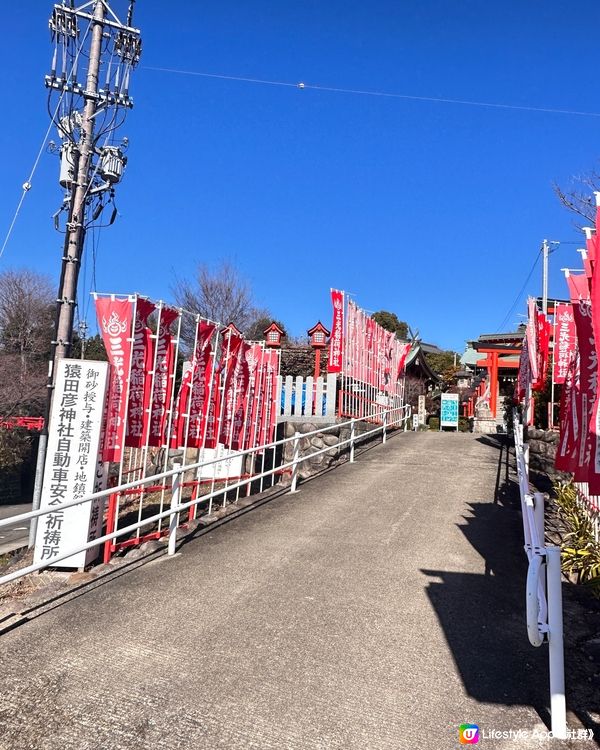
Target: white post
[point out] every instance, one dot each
(295, 460)
(352, 438)
(385, 418)
(174, 518)
(555, 640)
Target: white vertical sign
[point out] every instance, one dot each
(422, 412)
(72, 469)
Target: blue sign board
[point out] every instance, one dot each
(449, 410)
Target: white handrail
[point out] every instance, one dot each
(543, 594)
(177, 507)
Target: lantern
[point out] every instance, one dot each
(273, 335)
(318, 340)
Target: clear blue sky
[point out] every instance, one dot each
(432, 210)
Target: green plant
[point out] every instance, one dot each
(434, 423)
(580, 552)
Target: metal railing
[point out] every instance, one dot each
(543, 598)
(393, 418)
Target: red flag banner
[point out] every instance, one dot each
(200, 384)
(142, 361)
(254, 358)
(232, 345)
(241, 380)
(115, 319)
(162, 393)
(404, 349)
(336, 343)
(566, 451)
(564, 341)
(580, 297)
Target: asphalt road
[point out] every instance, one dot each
(16, 535)
(377, 609)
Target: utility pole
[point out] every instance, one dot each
(545, 253)
(88, 170)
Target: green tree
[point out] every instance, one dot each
(391, 322)
(443, 365)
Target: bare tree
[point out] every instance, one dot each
(26, 315)
(221, 295)
(26, 325)
(579, 198)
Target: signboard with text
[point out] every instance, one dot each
(422, 412)
(449, 410)
(72, 468)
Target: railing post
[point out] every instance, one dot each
(295, 458)
(352, 438)
(385, 418)
(406, 413)
(555, 644)
(174, 518)
(110, 527)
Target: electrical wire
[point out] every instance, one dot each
(367, 92)
(27, 183)
(519, 295)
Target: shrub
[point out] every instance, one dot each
(580, 552)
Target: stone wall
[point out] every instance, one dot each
(329, 440)
(542, 452)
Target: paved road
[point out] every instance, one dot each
(17, 535)
(377, 609)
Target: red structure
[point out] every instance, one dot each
(318, 340)
(273, 335)
(29, 423)
(231, 329)
(501, 360)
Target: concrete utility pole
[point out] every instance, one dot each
(545, 253)
(75, 227)
(88, 171)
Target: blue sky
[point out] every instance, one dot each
(432, 210)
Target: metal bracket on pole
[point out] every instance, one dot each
(174, 518)
(295, 458)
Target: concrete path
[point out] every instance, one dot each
(378, 609)
(16, 536)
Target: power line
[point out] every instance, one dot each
(368, 92)
(27, 183)
(519, 295)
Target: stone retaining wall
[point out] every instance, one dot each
(329, 440)
(542, 452)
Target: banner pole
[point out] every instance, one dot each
(551, 420)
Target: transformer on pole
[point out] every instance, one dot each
(87, 110)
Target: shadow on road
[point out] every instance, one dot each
(483, 615)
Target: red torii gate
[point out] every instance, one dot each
(502, 352)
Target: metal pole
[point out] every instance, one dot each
(385, 418)
(555, 640)
(174, 518)
(352, 438)
(73, 249)
(545, 252)
(296, 456)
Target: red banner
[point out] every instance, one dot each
(162, 392)
(336, 342)
(232, 346)
(254, 361)
(200, 381)
(586, 395)
(566, 452)
(564, 341)
(241, 382)
(404, 349)
(115, 319)
(140, 382)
